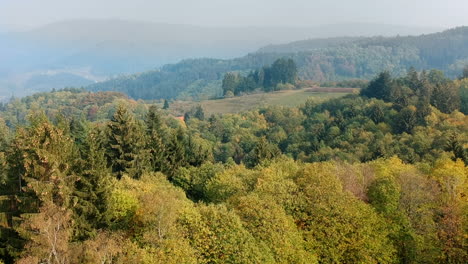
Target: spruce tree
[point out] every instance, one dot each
(175, 153)
(91, 189)
(155, 134)
(125, 150)
(79, 132)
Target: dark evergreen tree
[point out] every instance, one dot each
(187, 117)
(380, 88)
(407, 120)
(446, 97)
(197, 151)
(176, 154)
(126, 140)
(412, 80)
(155, 134)
(79, 132)
(459, 152)
(91, 189)
(464, 100)
(166, 105)
(401, 96)
(376, 112)
(423, 106)
(263, 151)
(281, 71)
(199, 113)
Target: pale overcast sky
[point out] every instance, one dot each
(428, 13)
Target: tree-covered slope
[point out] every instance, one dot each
(319, 60)
(379, 177)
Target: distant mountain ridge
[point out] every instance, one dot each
(319, 60)
(112, 47)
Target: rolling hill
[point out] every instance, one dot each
(319, 60)
(96, 49)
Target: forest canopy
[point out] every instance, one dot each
(320, 60)
(375, 177)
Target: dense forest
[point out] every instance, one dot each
(375, 177)
(281, 75)
(320, 60)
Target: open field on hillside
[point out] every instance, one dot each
(254, 101)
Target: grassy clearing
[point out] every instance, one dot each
(254, 101)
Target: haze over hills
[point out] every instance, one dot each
(234, 131)
(319, 60)
(93, 50)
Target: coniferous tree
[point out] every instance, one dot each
(446, 97)
(125, 144)
(187, 117)
(166, 105)
(92, 188)
(380, 88)
(176, 155)
(199, 113)
(424, 102)
(79, 132)
(155, 134)
(197, 151)
(464, 99)
(412, 80)
(407, 120)
(459, 152)
(41, 161)
(263, 151)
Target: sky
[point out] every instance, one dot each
(427, 13)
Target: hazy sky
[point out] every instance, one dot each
(432, 13)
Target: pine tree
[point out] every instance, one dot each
(125, 145)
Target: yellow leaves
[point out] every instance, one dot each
(453, 178)
(392, 167)
(122, 206)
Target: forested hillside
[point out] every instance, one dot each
(318, 60)
(375, 177)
